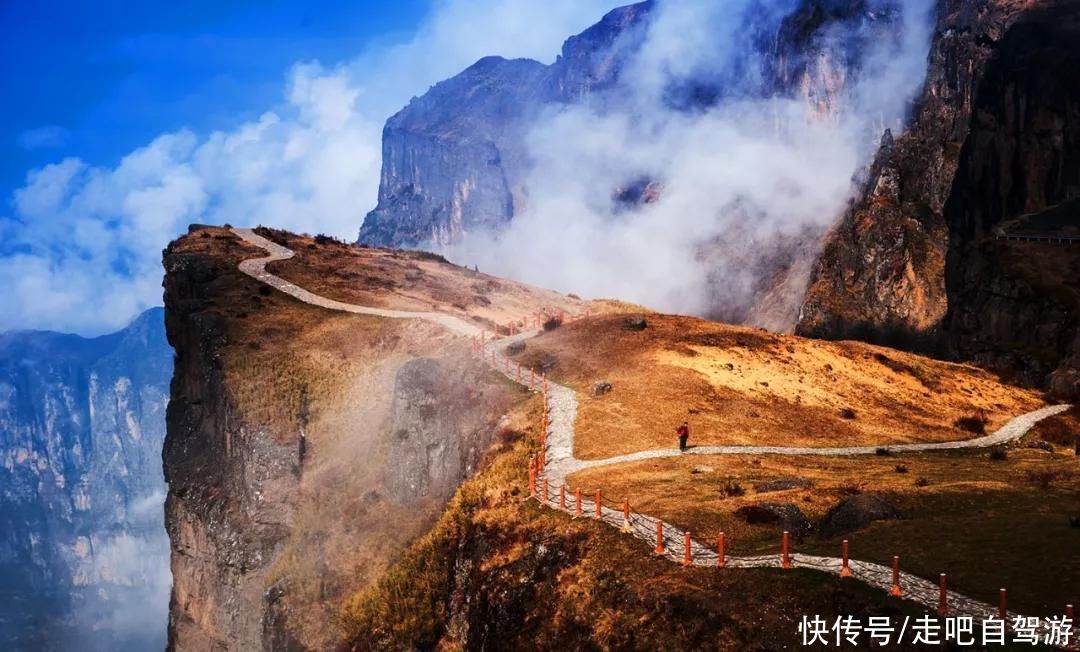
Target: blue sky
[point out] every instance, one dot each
(126, 121)
(96, 79)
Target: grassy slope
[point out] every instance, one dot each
(545, 579)
(744, 386)
(499, 571)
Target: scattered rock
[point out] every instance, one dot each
(847, 413)
(786, 515)
(547, 362)
(857, 512)
(515, 348)
(732, 489)
(782, 484)
(1042, 445)
(601, 387)
(635, 323)
(702, 469)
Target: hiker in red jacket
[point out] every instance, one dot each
(683, 432)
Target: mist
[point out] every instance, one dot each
(728, 201)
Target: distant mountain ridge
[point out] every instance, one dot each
(455, 158)
(83, 550)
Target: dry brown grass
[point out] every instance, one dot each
(743, 386)
(970, 510)
(413, 280)
(1060, 430)
(531, 578)
(289, 367)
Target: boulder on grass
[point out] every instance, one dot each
(857, 512)
(782, 484)
(601, 387)
(635, 323)
(515, 348)
(785, 515)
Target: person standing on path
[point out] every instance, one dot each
(683, 432)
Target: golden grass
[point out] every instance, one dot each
(743, 386)
(413, 280)
(500, 571)
(289, 368)
(970, 510)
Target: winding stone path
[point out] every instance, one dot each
(560, 462)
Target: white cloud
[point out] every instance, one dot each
(82, 249)
(741, 181)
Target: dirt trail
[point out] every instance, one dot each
(560, 461)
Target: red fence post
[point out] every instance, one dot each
(721, 557)
(687, 559)
(577, 503)
(659, 537)
(562, 497)
(785, 558)
(1002, 611)
(845, 570)
(895, 590)
(494, 365)
(519, 373)
(943, 598)
(598, 506)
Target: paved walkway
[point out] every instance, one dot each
(560, 462)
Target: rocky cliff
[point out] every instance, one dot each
(305, 448)
(83, 551)
(456, 159)
(915, 262)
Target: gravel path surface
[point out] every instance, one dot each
(560, 461)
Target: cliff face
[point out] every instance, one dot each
(305, 449)
(461, 159)
(913, 263)
(83, 552)
(455, 159)
(220, 524)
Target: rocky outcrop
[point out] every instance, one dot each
(83, 551)
(429, 401)
(914, 263)
(305, 449)
(222, 530)
(454, 159)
